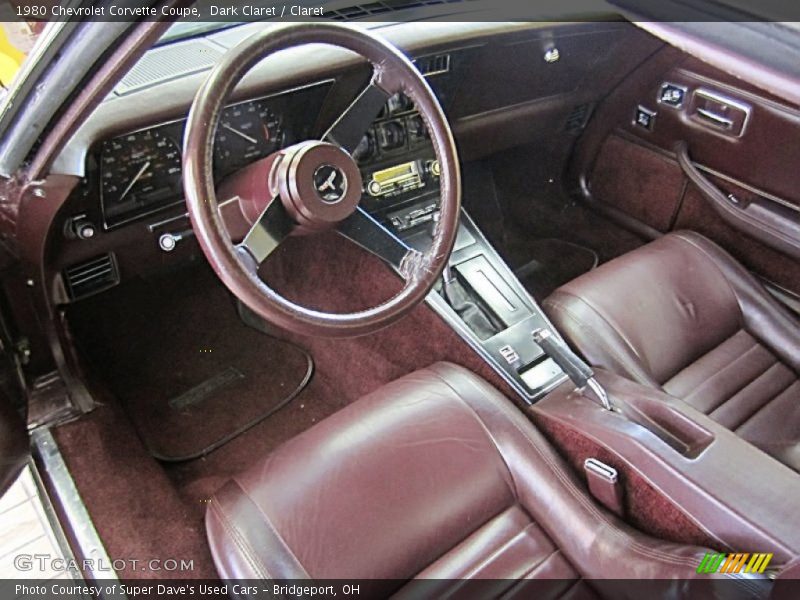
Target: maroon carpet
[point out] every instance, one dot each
(145, 508)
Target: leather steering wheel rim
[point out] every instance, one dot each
(392, 73)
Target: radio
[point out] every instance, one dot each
(401, 178)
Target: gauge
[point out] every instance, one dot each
(416, 128)
(138, 170)
(246, 132)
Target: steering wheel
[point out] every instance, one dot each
(313, 185)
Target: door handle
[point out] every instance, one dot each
(715, 119)
(721, 113)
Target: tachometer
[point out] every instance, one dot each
(137, 171)
(246, 132)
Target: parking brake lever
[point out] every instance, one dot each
(578, 371)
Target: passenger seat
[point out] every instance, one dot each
(681, 315)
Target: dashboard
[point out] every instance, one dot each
(138, 174)
(123, 165)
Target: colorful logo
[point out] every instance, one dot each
(734, 563)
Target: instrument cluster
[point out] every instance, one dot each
(140, 172)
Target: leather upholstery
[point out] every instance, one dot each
(434, 476)
(680, 314)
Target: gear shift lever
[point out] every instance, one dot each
(578, 371)
(477, 318)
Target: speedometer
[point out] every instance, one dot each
(138, 171)
(246, 132)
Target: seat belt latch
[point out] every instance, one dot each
(604, 485)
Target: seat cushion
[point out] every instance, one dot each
(437, 477)
(681, 315)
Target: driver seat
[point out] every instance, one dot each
(435, 477)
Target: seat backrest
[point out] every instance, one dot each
(652, 312)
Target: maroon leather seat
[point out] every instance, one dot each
(680, 314)
(433, 476)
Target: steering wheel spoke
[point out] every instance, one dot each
(363, 229)
(266, 234)
(349, 129)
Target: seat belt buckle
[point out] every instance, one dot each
(604, 485)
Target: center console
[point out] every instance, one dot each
(479, 295)
(679, 471)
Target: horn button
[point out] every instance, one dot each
(318, 183)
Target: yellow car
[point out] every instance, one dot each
(10, 59)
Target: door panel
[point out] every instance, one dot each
(770, 264)
(638, 181)
(743, 188)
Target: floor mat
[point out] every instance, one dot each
(183, 364)
(552, 263)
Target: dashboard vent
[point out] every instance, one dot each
(433, 65)
(370, 9)
(91, 276)
(169, 62)
(578, 118)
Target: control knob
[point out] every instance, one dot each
(433, 168)
(80, 227)
(365, 149)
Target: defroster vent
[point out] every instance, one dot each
(169, 62)
(368, 10)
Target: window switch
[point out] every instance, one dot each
(644, 118)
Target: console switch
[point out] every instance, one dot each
(408, 219)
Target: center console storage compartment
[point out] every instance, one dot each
(677, 466)
(485, 283)
(502, 334)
